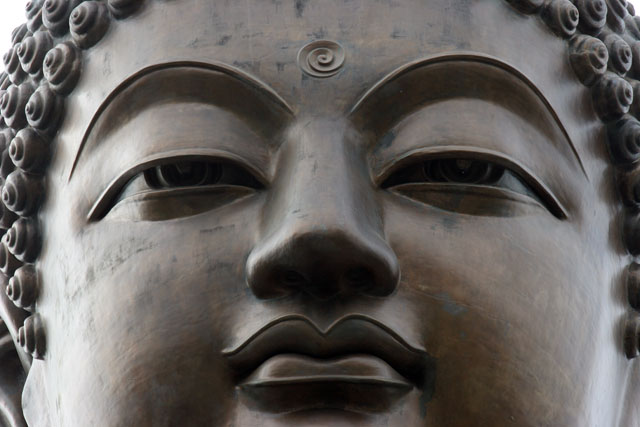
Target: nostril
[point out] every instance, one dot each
(359, 277)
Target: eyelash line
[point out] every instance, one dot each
(417, 155)
(115, 187)
(100, 207)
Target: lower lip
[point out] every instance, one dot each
(293, 382)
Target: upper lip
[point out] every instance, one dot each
(352, 334)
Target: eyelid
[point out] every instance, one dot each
(429, 153)
(115, 187)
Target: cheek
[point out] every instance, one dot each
(511, 308)
(148, 313)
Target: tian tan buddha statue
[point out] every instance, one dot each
(321, 213)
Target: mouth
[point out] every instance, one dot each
(356, 364)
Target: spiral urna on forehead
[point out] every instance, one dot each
(45, 61)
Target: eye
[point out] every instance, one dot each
(183, 174)
(464, 171)
(487, 185)
(170, 188)
(198, 173)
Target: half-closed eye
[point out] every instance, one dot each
(175, 186)
(458, 174)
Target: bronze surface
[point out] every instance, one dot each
(321, 213)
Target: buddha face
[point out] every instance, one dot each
(329, 213)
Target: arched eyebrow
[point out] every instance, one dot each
(388, 94)
(260, 94)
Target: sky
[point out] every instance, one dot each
(12, 15)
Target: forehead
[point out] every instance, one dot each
(263, 39)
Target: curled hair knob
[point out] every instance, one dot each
(5, 82)
(633, 285)
(631, 337)
(6, 165)
(23, 287)
(589, 57)
(8, 263)
(620, 54)
(634, 71)
(19, 33)
(32, 50)
(123, 8)
(13, 103)
(593, 16)
(89, 22)
(630, 187)
(44, 110)
(526, 6)
(29, 151)
(22, 338)
(13, 67)
(612, 97)
(33, 10)
(6, 135)
(7, 217)
(55, 15)
(22, 193)
(616, 13)
(562, 17)
(624, 141)
(631, 233)
(632, 24)
(23, 239)
(31, 336)
(62, 67)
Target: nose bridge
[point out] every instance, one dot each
(326, 181)
(322, 231)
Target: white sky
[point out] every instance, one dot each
(12, 14)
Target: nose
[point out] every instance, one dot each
(322, 232)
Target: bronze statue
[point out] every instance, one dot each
(321, 213)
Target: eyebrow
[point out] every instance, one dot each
(240, 76)
(458, 58)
